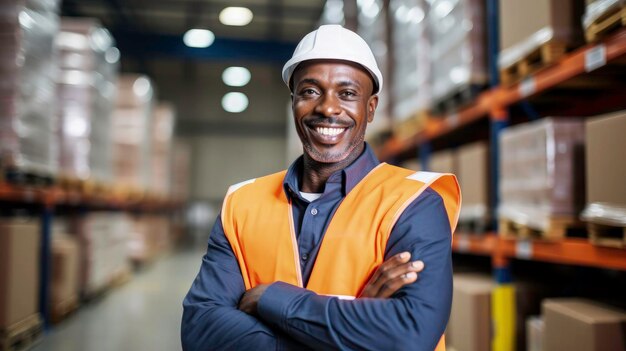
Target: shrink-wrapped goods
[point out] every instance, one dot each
(27, 85)
(458, 50)
(541, 170)
(131, 130)
(473, 173)
(88, 63)
(373, 29)
(411, 74)
(180, 171)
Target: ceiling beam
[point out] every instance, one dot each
(136, 44)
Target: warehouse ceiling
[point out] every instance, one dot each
(157, 27)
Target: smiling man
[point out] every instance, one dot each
(326, 254)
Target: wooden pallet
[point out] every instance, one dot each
(60, 311)
(70, 183)
(458, 98)
(558, 228)
(607, 235)
(473, 226)
(26, 177)
(613, 19)
(22, 335)
(543, 56)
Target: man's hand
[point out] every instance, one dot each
(393, 274)
(250, 299)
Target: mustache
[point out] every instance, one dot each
(322, 120)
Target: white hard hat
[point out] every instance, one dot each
(336, 43)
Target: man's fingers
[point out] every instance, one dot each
(390, 287)
(390, 264)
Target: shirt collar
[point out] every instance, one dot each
(349, 176)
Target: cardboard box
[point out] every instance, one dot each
(519, 20)
(534, 333)
(19, 270)
(473, 174)
(442, 162)
(605, 166)
(65, 269)
(582, 325)
(469, 328)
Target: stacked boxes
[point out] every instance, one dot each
(605, 170)
(411, 73)
(581, 325)
(473, 174)
(20, 242)
(104, 239)
(442, 162)
(27, 86)
(131, 132)
(373, 29)
(64, 292)
(458, 35)
(469, 328)
(541, 173)
(181, 170)
(527, 25)
(149, 238)
(86, 89)
(161, 138)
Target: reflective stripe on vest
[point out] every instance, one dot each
(258, 222)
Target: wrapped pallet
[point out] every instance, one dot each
(150, 237)
(411, 73)
(20, 242)
(27, 86)
(88, 63)
(541, 172)
(601, 15)
(458, 50)
(131, 130)
(372, 19)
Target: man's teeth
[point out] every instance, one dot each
(329, 131)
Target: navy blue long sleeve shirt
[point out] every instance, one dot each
(291, 317)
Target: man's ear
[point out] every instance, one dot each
(372, 103)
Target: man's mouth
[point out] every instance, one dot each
(329, 131)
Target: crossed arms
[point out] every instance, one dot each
(398, 314)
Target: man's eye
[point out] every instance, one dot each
(308, 92)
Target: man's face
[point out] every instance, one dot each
(332, 104)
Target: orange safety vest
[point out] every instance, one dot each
(258, 222)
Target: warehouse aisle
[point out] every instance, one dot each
(144, 314)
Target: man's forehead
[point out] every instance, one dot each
(307, 68)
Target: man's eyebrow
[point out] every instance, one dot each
(308, 81)
(347, 83)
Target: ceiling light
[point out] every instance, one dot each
(236, 76)
(236, 16)
(112, 55)
(235, 102)
(141, 86)
(199, 38)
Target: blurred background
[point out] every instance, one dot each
(124, 122)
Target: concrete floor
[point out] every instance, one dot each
(143, 314)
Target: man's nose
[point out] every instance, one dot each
(329, 105)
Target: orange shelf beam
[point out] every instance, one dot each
(570, 66)
(574, 251)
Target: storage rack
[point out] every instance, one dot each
(591, 65)
(47, 199)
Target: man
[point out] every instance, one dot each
(326, 254)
